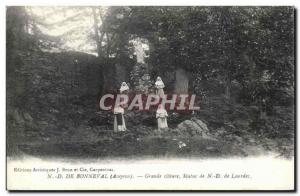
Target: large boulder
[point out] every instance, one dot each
(201, 124)
(194, 127)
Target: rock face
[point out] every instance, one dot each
(195, 127)
(140, 78)
(51, 93)
(121, 74)
(181, 81)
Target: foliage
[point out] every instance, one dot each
(249, 46)
(240, 62)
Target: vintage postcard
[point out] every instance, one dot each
(150, 98)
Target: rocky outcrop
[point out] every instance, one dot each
(140, 78)
(194, 127)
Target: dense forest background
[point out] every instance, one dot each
(239, 61)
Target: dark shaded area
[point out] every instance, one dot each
(238, 61)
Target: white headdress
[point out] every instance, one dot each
(124, 87)
(159, 83)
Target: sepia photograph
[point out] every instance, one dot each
(150, 98)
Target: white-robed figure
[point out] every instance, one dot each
(124, 88)
(119, 122)
(159, 85)
(161, 115)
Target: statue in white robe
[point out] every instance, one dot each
(159, 85)
(124, 89)
(161, 115)
(119, 122)
(140, 53)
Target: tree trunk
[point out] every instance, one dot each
(97, 37)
